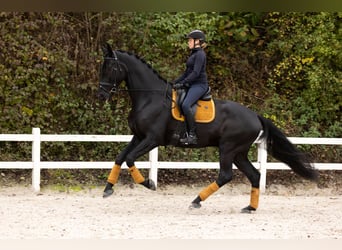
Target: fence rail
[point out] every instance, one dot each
(152, 164)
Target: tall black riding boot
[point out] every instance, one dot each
(190, 137)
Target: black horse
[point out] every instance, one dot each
(233, 130)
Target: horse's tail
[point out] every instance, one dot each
(283, 150)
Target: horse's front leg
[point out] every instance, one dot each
(142, 148)
(134, 150)
(114, 173)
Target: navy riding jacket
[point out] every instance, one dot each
(195, 72)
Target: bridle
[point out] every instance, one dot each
(114, 86)
(115, 68)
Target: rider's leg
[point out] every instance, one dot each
(191, 136)
(193, 94)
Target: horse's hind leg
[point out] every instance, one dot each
(253, 175)
(225, 175)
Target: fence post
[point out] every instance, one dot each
(153, 158)
(262, 160)
(36, 159)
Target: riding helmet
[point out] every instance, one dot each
(197, 34)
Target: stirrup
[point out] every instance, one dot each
(189, 139)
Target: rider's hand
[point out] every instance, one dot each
(178, 86)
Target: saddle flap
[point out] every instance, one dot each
(205, 110)
(181, 93)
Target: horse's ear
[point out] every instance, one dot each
(107, 50)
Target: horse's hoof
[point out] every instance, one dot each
(151, 185)
(107, 193)
(195, 205)
(248, 210)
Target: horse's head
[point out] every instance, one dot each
(112, 73)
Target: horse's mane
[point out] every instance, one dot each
(144, 62)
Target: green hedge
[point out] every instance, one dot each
(286, 66)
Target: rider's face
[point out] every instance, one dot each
(191, 43)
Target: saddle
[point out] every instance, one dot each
(204, 109)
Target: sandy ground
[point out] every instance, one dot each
(134, 212)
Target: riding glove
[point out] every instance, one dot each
(181, 85)
(178, 86)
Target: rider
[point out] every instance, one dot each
(195, 80)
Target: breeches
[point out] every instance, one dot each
(195, 92)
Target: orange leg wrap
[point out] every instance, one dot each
(136, 175)
(114, 174)
(254, 202)
(205, 193)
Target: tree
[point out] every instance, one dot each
(307, 75)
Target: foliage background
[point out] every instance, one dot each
(286, 66)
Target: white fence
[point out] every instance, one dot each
(153, 164)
